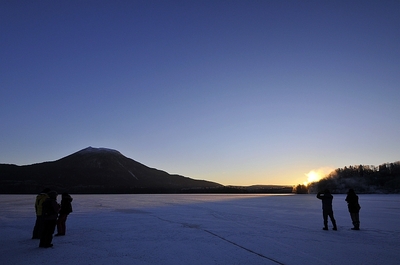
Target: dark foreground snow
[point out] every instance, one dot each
(204, 229)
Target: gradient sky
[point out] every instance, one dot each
(236, 92)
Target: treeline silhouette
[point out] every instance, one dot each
(384, 178)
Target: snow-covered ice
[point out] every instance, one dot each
(204, 229)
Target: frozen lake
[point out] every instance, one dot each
(204, 229)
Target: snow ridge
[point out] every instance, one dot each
(92, 150)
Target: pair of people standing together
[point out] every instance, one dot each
(50, 214)
(352, 204)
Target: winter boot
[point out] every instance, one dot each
(356, 226)
(334, 224)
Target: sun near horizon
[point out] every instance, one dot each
(317, 174)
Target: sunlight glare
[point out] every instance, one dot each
(317, 174)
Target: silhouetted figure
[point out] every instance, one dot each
(327, 198)
(66, 209)
(354, 208)
(38, 228)
(50, 212)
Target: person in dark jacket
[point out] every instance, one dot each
(50, 211)
(38, 228)
(354, 208)
(66, 209)
(327, 198)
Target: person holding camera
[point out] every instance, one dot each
(327, 210)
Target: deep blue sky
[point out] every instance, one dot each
(237, 92)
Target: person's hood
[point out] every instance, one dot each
(53, 194)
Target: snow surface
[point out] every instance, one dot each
(204, 229)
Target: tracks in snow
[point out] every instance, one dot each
(195, 226)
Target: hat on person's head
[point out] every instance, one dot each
(65, 195)
(46, 190)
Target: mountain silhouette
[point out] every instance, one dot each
(95, 170)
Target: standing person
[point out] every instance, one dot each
(38, 228)
(327, 198)
(50, 211)
(354, 208)
(66, 208)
